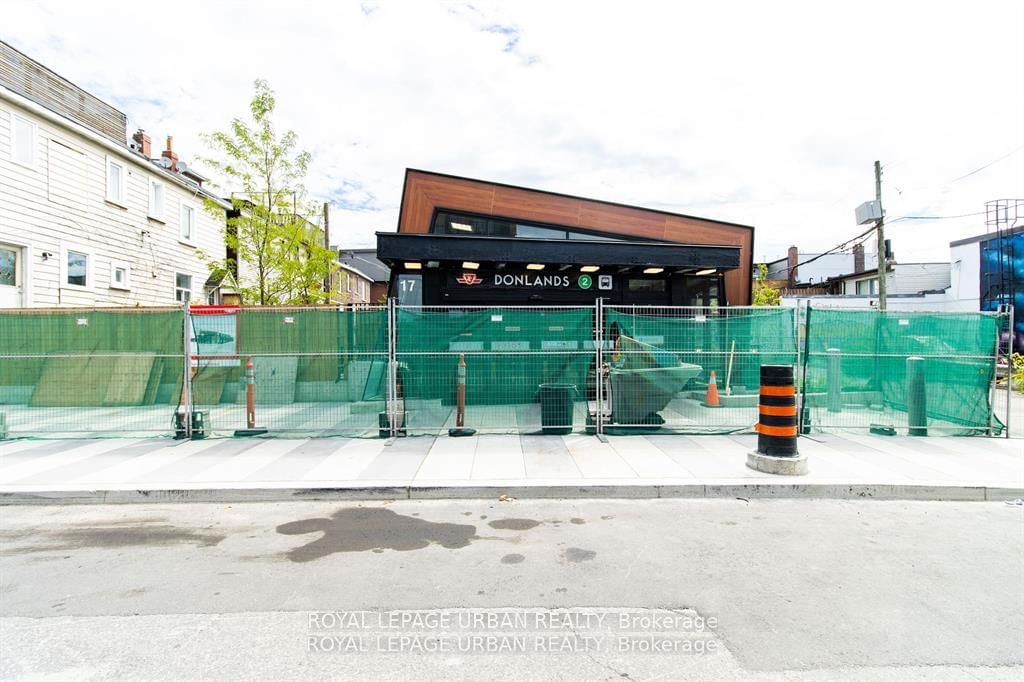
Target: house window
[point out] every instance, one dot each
(23, 141)
(156, 200)
(75, 267)
(120, 275)
(187, 229)
(117, 178)
(182, 287)
(867, 287)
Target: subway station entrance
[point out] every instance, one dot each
(471, 242)
(454, 270)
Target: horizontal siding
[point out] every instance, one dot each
(65, 167)
(62, 201)
(914, 277)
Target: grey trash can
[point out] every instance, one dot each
(556, 408)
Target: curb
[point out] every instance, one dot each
(819, 491)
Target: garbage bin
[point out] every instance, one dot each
(556, 408)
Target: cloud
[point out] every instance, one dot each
(769, 114)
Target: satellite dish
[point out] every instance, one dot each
(182, 166)
(164, 162)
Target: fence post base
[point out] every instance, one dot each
(783, 466)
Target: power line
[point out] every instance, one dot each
(990, 163)
(836, 248)
(962, 177)
(936, 217)
(864, 235)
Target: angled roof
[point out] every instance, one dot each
(366, 262)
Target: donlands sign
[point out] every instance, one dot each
(503, 280)
(531, 280)
(500, 280)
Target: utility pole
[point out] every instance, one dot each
(880, 231)
(328, 289)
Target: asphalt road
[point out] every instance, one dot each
(591, 589)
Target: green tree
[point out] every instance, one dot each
(764, 294)
(281, 258)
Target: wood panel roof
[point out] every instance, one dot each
(425, 192)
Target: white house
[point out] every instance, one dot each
(901, 278)
(87, 219)
(800, 268)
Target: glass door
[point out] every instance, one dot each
(11, 276)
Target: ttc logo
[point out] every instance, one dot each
(468, 278)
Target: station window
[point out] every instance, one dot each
(646, 285)
(534, 232)
(447, 222)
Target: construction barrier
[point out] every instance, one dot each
(858, 372)
(368, 371)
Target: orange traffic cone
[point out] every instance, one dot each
(711, 399)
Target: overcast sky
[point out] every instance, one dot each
(763, 113)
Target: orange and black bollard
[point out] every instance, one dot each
(460, 401)
(250, 393)
(777, 424)
(250, 402)
(776, 412)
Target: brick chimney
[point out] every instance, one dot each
(169, 154)
(142, 140)
(858, 258)
(792, 259)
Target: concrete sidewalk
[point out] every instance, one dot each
(847, 466)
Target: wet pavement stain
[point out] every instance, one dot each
(110, 523)
(575, 555)
(357, 529)
(578, 521)
(561, 589)
(115, 537)
(513, 559)
(513, 524)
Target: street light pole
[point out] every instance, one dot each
(880, 231)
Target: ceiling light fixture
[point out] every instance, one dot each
(701, 273)
(590, 268)
(535, 266)
(653, 271)
(470, 265)
(462, 227)
(413, 266)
